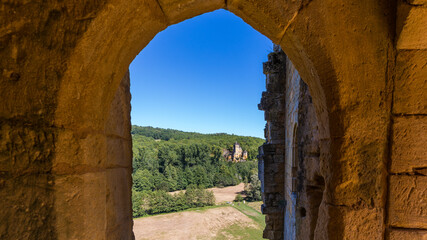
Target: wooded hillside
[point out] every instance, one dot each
(168, 160)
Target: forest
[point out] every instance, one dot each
(166, 160)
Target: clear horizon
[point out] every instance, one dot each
(202, 75)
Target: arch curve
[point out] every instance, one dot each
(122, 29)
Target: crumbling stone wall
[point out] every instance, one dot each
(271, 154)
(304, 182)
(296, 159)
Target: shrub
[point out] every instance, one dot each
(238, 198)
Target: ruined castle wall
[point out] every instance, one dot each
(298, 158)
(304, 181)
(272, 153)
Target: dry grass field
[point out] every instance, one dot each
(199, 224)
(225, 194)
(224, 222)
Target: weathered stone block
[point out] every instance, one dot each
(25, 148)
(275, 83)
(273, 187)
(272, 210)
(410, 26)
(269, 18)
(275, 116)
(273, 235)
(273, 67)
(118, 123)
(78, 152)
(80, 201)
(353, 223)
(119, 205)
(177, 10)
(269, 148)
(408, 148)
(277, 135)
(27, 201)
(407, 234)
(119, 152)
(279, 159)
(408, 201)
(271, 101)
(410, 83)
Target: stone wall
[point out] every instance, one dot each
(407, 195)
(93, 180)
(271, 154)
(304, 178)
(36, 39)
(296, 153)
(292, 107)
(310, 180)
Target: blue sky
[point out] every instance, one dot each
(202, 75)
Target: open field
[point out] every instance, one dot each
(223, 222)
(225, 194)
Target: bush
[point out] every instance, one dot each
(238, 198)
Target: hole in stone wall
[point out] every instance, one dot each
(319, 181)
(302, 212)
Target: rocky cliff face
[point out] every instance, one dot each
(237, 155)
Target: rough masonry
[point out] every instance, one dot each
(293, 190)
(271, 158)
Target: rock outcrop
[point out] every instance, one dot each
(237, 155)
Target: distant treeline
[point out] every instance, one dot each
(168, 160)
(155, 202)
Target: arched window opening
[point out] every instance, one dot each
(196, 129)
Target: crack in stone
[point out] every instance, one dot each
(163, 12)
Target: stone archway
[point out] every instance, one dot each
(65, 104)
(114, 38)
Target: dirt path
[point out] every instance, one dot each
(227, 194)
(191, 225)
